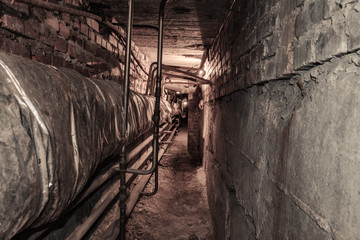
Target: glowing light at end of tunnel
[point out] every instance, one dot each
(201, 72)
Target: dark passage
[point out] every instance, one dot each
(180, 209)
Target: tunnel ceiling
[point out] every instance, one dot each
(190, 26)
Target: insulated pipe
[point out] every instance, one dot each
(123, 163)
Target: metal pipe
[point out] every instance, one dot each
(175, 69)
(150, 77)
(161, 152)
(142, 145)
(151, 90)
(112, 230)
(139, 26)
(82, 229)
(182, 83)
(156, 117)
(123, 163)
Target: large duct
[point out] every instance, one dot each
(56, 127)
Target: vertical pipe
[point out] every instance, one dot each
(123, 164)
(158, 91)
(150, 77)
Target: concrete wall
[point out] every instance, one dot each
(66, 40)
(282, 121)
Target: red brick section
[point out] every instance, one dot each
(64, 40)
(53, 22)
(251, 50)
(61, 45)
(64, 31)
(13, 23)
(195, 126)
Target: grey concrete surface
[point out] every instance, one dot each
(282, 158)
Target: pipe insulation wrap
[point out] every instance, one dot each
(56, 127)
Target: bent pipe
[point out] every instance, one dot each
(123, 164)
(156, 117)
(56, 127)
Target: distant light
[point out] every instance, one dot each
(201, 72)
(177, 92)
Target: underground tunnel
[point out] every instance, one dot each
(169, 119)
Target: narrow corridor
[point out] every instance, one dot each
(180, 209)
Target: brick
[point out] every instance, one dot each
(98, 40)
(53, 22)
(66, 18)
(109, 47)
(92, 24)
(113, 41)
(47, 40)
(30, 31)
(64, 31)
(99, 53)
(82, 57)
(20, 7)
(71, 50)
(92, 35)
(42, 57)
(57, 61)
(84, 29)
(76, 24)
(60, 45)
(90, 47)
(80, 40)
(10, 46)
(38, 12)
(103, 43)
(13, 23)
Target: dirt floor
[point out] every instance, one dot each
(180, 209)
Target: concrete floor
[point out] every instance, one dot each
(180, 208)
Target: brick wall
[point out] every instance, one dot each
(281, 121)
(66, 40)
(195, 126)
(268, 40)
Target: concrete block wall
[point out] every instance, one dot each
(66, 40)
(281, 121)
